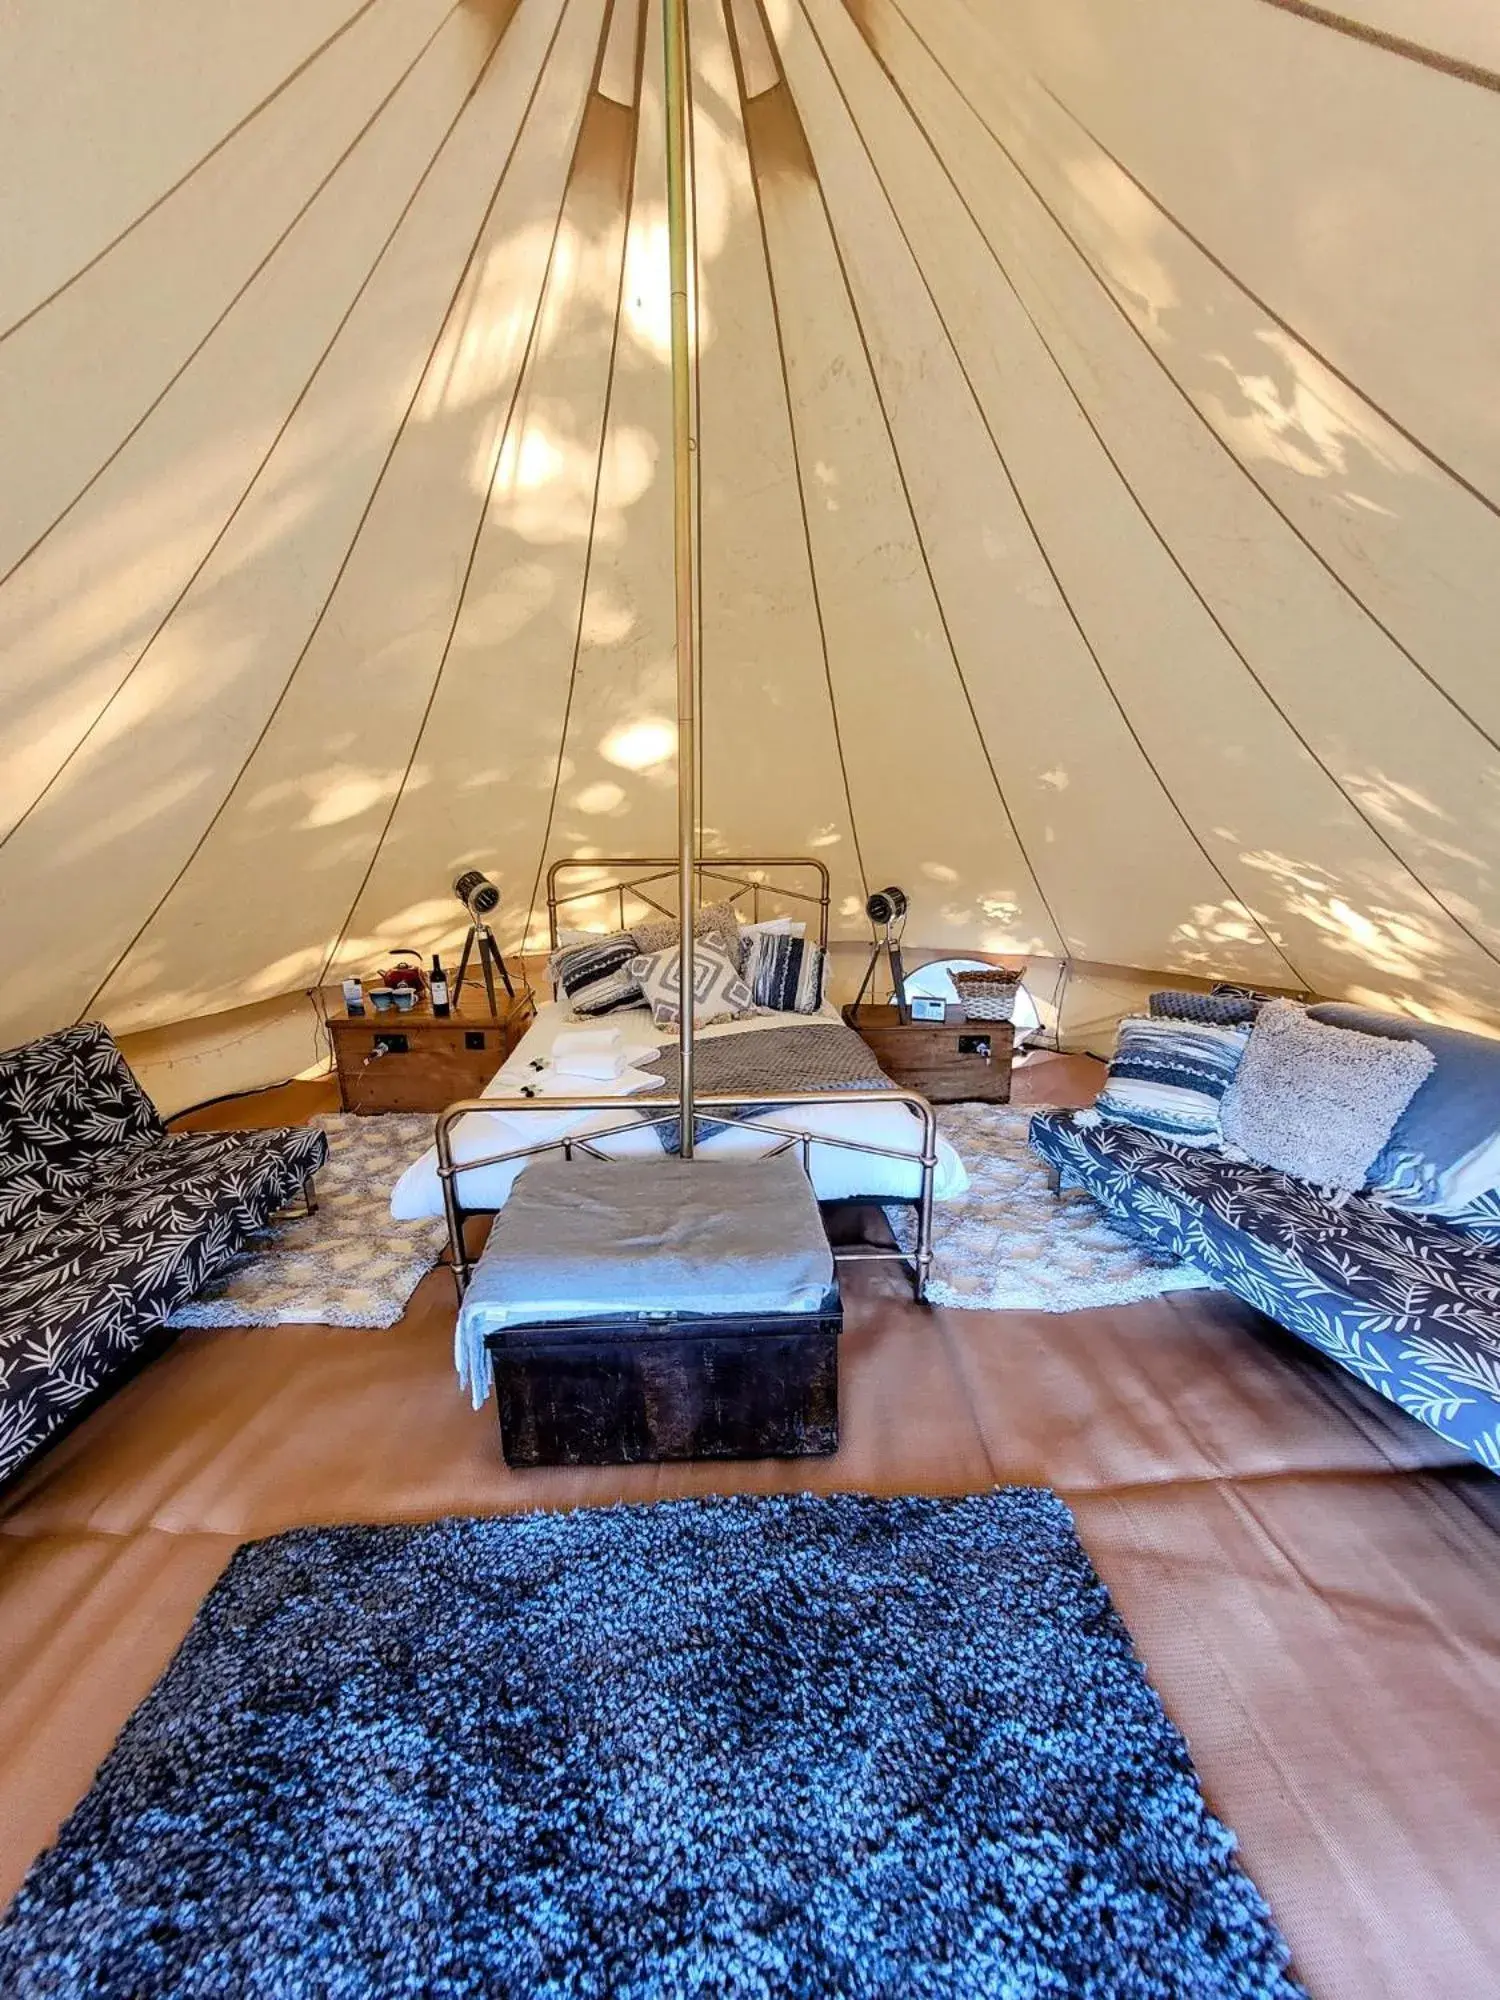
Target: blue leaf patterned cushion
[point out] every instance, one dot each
(1169, 1078)
(1479, 1218)
(1223, 1010)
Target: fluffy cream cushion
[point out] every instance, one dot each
(715, 921)
(1319, 1102)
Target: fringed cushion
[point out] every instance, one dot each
(719, 993)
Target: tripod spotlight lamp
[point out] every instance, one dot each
(886, 909)
(481, 899)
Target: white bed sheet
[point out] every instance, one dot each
(836, 1174)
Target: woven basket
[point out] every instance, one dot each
(988, 996)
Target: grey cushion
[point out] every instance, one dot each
(1221, 1010)
(1319, 1102)
(1444, 1154)
(587, 1239)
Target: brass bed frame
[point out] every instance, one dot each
(617, 878)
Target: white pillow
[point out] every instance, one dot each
(719, 992)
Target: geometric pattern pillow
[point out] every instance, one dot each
(1223, 1010)
(1169, 1078)
(595, 975)
(719, 992)
(784, 973)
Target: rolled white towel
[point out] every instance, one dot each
(586, 1042)
(597, 1066)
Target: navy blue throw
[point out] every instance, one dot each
(792, 1746)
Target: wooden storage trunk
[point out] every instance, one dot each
(954, 1061)
(633, 1389)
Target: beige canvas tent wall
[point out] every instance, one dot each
(1099, 462)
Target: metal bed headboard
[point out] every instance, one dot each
(752, 875)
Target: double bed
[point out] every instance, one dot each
(766, 1084)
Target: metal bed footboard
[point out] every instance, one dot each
(449, 1169)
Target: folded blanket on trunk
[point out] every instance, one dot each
(822, 1056)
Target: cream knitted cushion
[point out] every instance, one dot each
(714, 921)
(1319, 1102)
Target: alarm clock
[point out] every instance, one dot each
(925, 1007)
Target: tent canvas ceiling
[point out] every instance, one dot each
(1098, 466)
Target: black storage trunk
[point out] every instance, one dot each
(640, 1388)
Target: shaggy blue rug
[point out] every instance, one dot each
(724, 1748)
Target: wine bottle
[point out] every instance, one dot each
(437, 986)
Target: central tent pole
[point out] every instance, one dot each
(674, 46)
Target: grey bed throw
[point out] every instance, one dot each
(822, 1056)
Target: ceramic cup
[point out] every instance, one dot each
(382, 999)
(405, 998)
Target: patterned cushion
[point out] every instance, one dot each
(1223, 1010)
(1410, 1307)
(785, 974)
(595, 976)
(106, 1243)
(1319, 1102)
(719, 993)
(1169, 1077)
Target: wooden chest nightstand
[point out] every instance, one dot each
(948, 1062)
(429, 1063)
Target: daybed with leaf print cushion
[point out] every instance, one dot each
(1407, 1303)
(107, 1222)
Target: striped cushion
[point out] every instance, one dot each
(595, 975)
(1168, 1077)
(785, 974)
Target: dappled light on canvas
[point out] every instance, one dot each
(639, 746)
(1057, 560)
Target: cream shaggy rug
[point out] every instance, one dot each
(348, 1265)
(1010, 1242)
